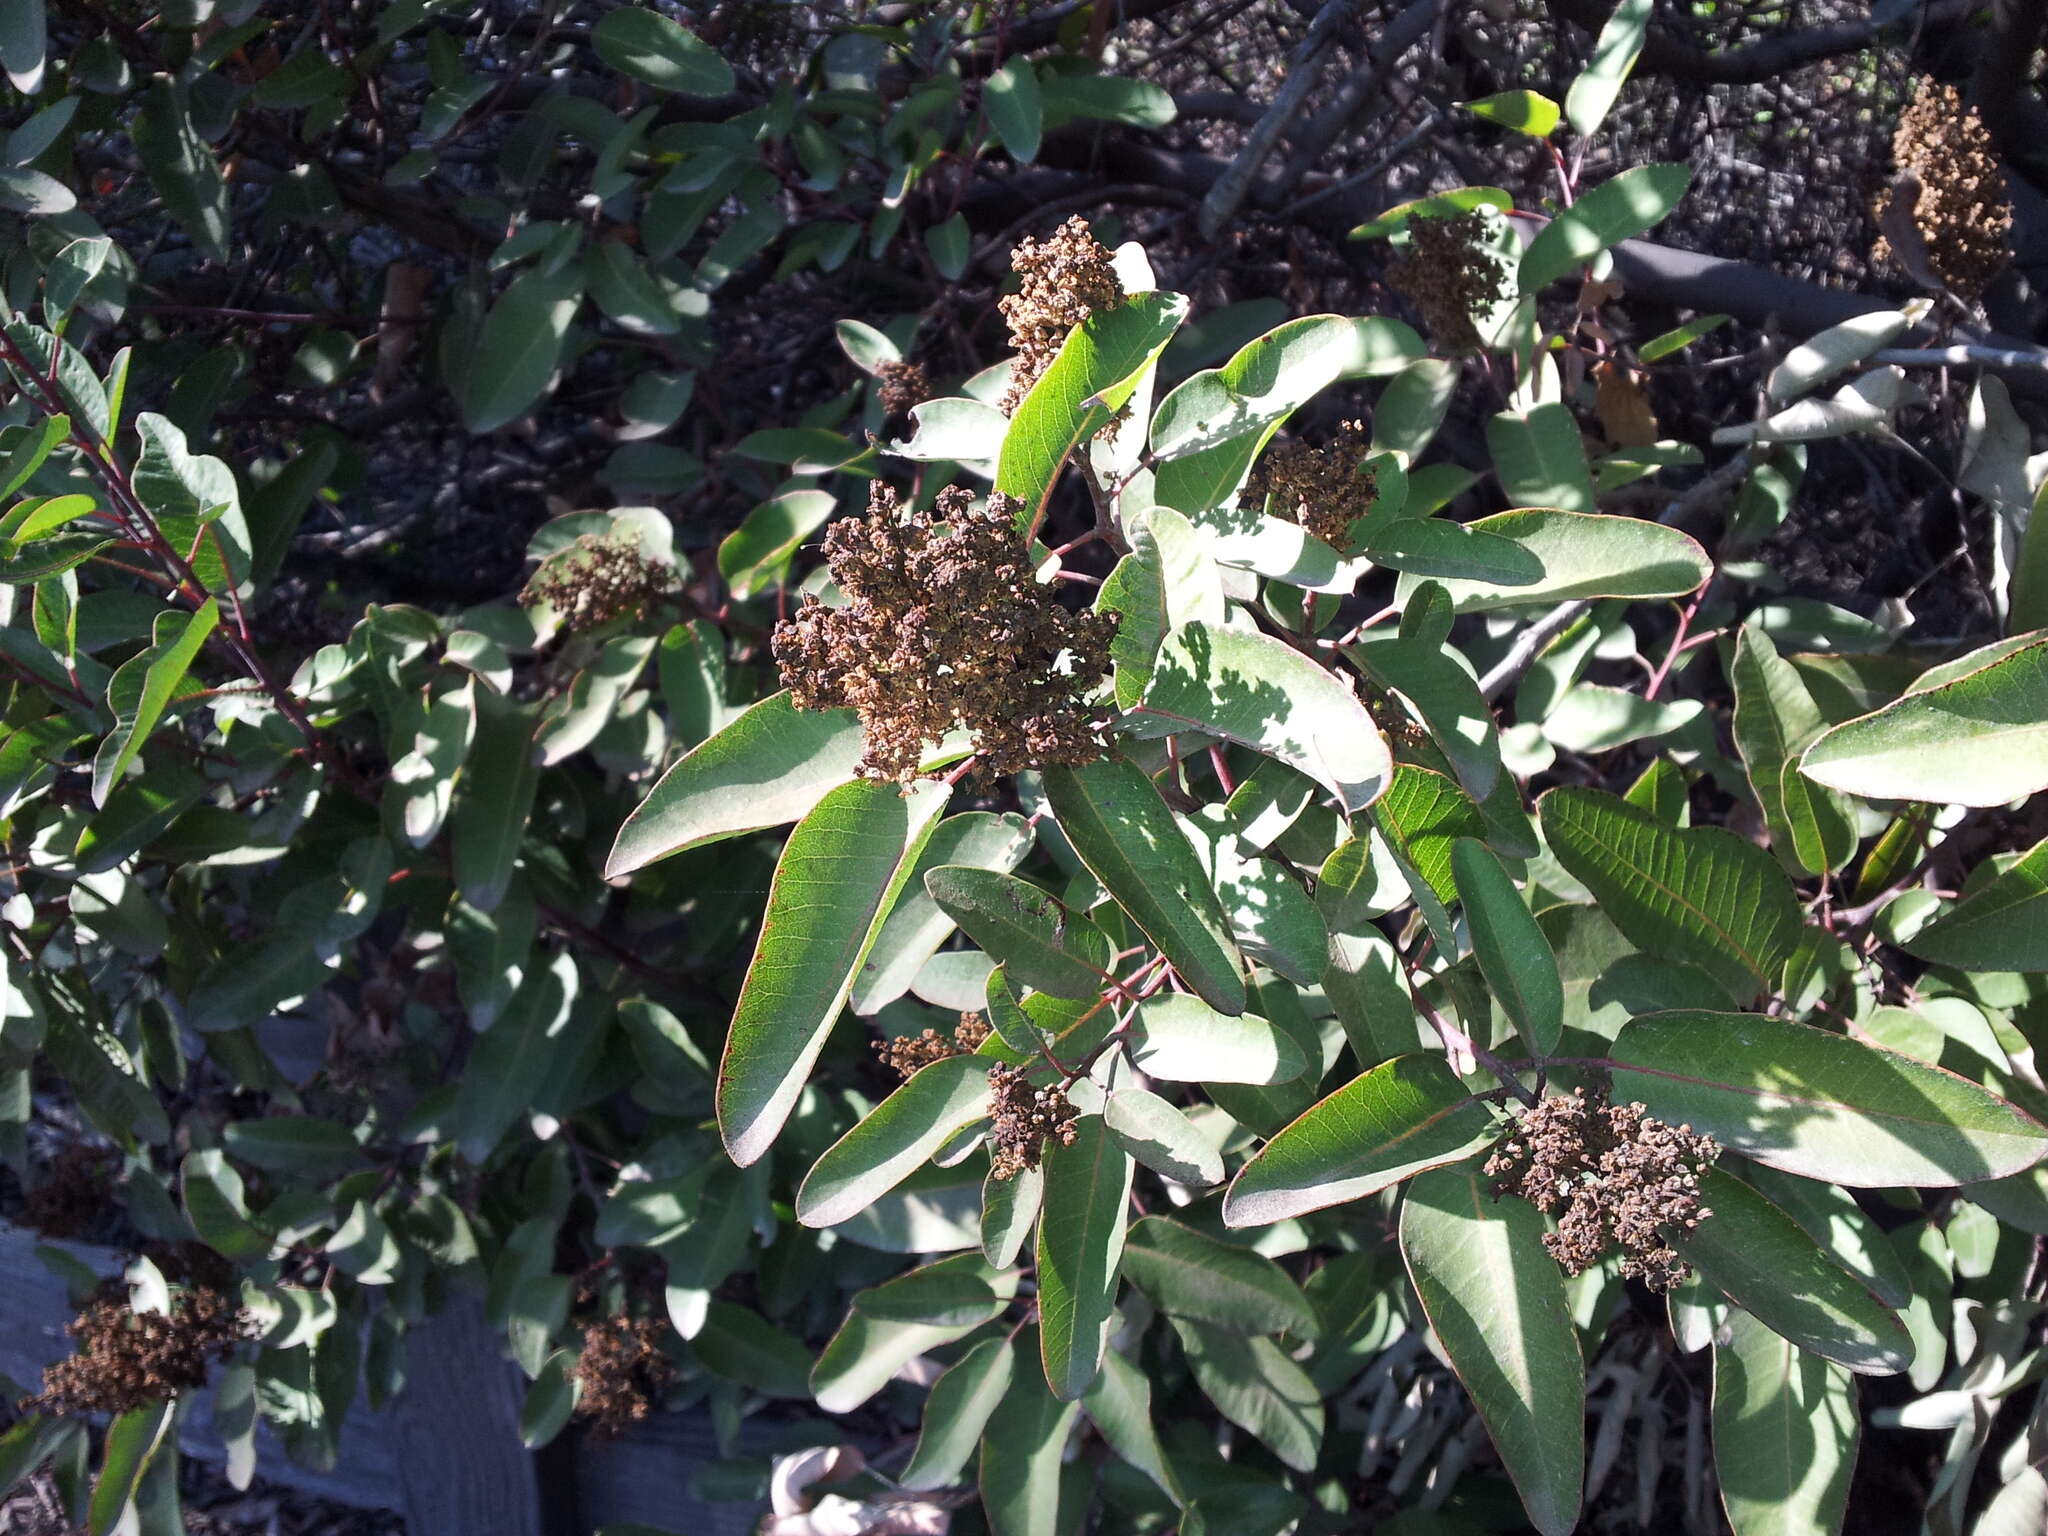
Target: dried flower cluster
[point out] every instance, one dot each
(125, 1359)
(73, 1197)
(1951, 215)
(1066, 277)
(1023, 1119)
(620, 1373)
(907, 1055)
(1620, 1178)
(944, 624)
(1322, 489)
(1447, 273)
(600, 579)
(900, 385)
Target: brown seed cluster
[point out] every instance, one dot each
(1023, 1119)
(1322, 489)
(945, 624)
(72, 1199)
(900, 385)
(1447, 273)
(124, 1359)
(907, 1055)
(1066, 277)
(1949, 182)
(620, 1373)
(602, 578)
(1619, 1177)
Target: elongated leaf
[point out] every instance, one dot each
(838, 877)
(1775, 717)
(1435, 546)
(1760, 1259)
(2001, 927)
(1038, 941)
(1080, 1244)
(1529, 112)
(132, 1442)
(1592, 95)
(867, 1351)
(1616, 210)
(1098, 369)
(1126, 835)
(895, 1137)
(1183, 1040)
(1820, 358)
(753, 555)
(1210, 427)
(1257, 1388)
(1162, 1138)
(1253, 689)
(1120, 1406)
(1190, 1274)
(1583, 556)
(1020, 1456)
(1011, 99)
(957, 1411)
(1402, 1117)
(1497, 1302)
(493, 799)
(516, 1056)
(1514, 956)
(1540, 458)
(142, 690)
(651, 48)
(771, 765)
(1980, 737)
(1697, 894)
(917, 926)
(1785, 1433)
(1009, 1210)
(518, 347)
(1820, 1105)
(214, 1203)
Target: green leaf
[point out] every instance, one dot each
(215, 1205)
(1775, 717)
(1127, 837)
(1760, 1259)
(917, 925)
(1211, 427)
(1182, 1040)
(1540, 459)
(1021, 1455)
(196, 503)
(493, 799)
(1820, 1105)
(1529, 112)
(1616, 210)
(1402, 1117)
(1011, 99)
(1434, 546)
(519, 346)
(867, 1352)
(839, 874)
(1009, 1210)
(1448, 700)
(895, 1137)
(23, 38)
(1190, 1274)
(1681, 337)
(1437, 205)
(2001, 926)
(1167, 580)
(294, 1145)
(1820, 358)
(142, 689)
(25, 190)
(1162, 1138)
(1515, 958)
(771, 765)
(1497, 1302)
(1110, 98)
(946, 1297)
(1261, 692)
(637, 299)
(869, 350)
(754, 555)
(1080, 1244)
(1583, 556)
(181, 167)
(959, 1408)
(1977, 737)
(549, 1401)
(1256, 1387)
(651, 48)
(1420, 819)
(1411, 408)
(744, 1347)
(514, 1059)
(1785, 1433)
(1036, 939)
(1697, 894)
(132, 1441)
(1593, 93)
(1098, 369)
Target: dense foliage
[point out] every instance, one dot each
(1287, 928)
